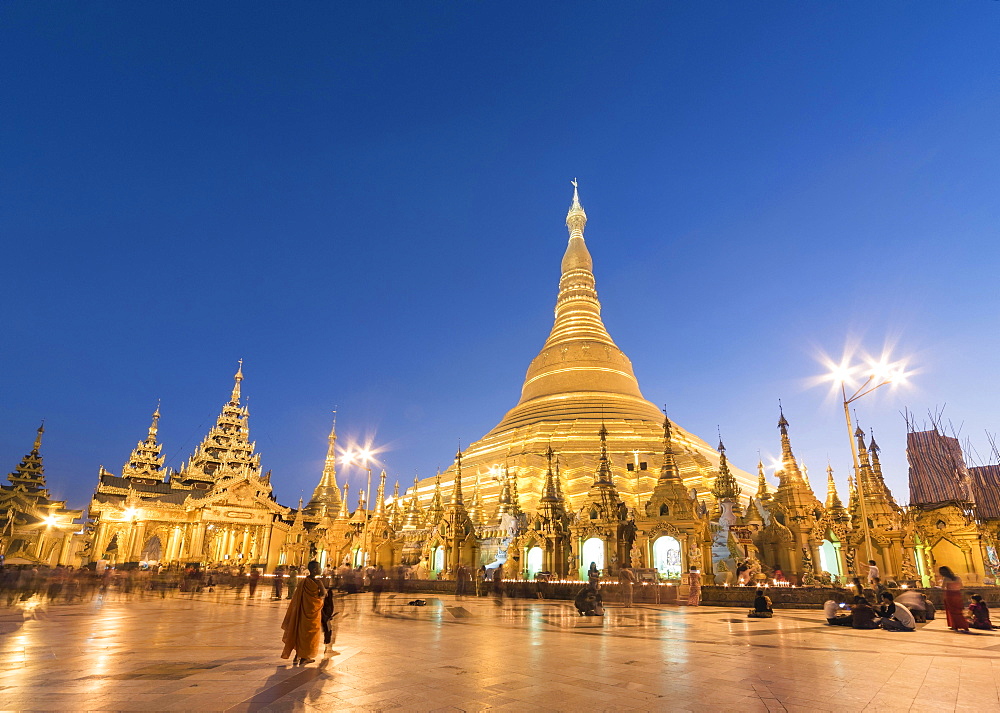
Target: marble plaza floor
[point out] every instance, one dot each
(216, 652)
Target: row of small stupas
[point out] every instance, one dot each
(583, 469)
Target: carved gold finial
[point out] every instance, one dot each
(38, 438)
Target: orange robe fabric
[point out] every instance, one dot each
(302, 626)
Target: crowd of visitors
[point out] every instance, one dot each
(312, 591)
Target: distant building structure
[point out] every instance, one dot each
(218, 508)
(35, 529)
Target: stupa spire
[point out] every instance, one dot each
(238, 377)
(476, 511)
(725, 487)
(227, 449)
(380, 496)
(549, 491)
(327, 492)
(874, 450)
(832, 499)
(30, 473)
(457, 501)
(579, 344)
(763, 491)
(668, 471)
(790, 473)
(411, 518)
(603, 474)
(146, 461)
(344, 513)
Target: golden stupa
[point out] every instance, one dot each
(579, 381)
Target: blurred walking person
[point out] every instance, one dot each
(326, 620)
(377, 585)
(626, 580)
(254, 580)
(279, 579)
(694, 587)
(953, 604)
(293, 580)
(303, 623)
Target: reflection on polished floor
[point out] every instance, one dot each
(217, 652)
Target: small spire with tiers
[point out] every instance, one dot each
(726, 487)
(327, 493)
(763, 491)
(833, 503)
(344, 513)
(146, 459)
(30, 472)
(668, 471)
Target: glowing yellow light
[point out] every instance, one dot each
(50, 520)
(130, 513)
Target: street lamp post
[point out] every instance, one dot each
(364, 458)
(881, 374)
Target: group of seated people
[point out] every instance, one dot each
(890, 615)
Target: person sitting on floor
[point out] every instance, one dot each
(834, 610)
(862, 615)
(589, 602)
(917, 603)
(762, 608)
(980, 613)
(894, 616)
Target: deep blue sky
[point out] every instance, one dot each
(365, 201)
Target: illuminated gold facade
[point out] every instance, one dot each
(35, 529)
(216, 509)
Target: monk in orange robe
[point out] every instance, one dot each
(302, 626)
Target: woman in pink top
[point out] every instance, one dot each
(953, 604)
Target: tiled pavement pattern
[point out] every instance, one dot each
(217, 652)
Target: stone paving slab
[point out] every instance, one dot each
(219, 652)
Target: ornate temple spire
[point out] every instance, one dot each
(297, 521)
(790, 473)
(146, 459)
(602, 498)
(515, 497)
(380, 496)
(504, 502)
(579, 344)
(436, 508)
(550, 504)
(457, 500)
(725, 487)
(30, 472)
(227, 450)
(549, 491)
(833, 503)
(866, 477)
(395, 511)
(603, 473)
(669, 470)
(412, 516)
(874, 450)
(477, 513)
(238, 377)
(360, 516)
(344, 513)
(327, 492)
(763, 491)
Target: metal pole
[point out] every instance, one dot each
(857, 474)
(368, 509)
